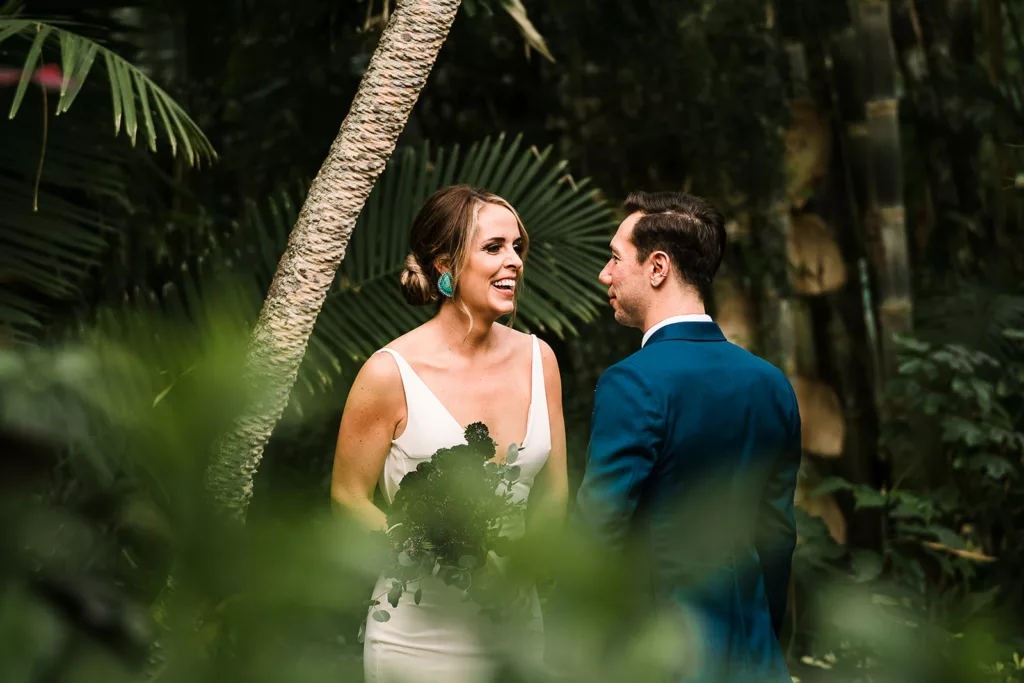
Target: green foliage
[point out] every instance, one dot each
(106, 441)
(135, 97)
(938, 581)
(53, 236)
(101, 488)
(65, 194)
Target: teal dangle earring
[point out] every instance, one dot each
(444, 283)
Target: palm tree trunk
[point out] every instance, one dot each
(389, 89)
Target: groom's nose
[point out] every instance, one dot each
(606, 276)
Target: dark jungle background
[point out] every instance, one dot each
(867, 156)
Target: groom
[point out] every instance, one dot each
(694, 450)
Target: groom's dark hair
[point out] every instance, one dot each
(687, 228)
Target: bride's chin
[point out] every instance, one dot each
(502, 308)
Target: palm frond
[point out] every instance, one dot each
(568, 226)
(47, 254)
(133, 94)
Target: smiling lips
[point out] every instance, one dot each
(506, 286)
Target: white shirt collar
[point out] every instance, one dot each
(692, 318)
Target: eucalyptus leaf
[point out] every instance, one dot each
(381, 615)
(395, 594)
(512, 454)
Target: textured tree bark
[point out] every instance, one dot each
(389, 89)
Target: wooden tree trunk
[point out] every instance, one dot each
(389, 89)
(849, 341)
(777, 341)
(885, 215)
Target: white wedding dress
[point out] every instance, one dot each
(443, 639)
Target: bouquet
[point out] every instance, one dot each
(446, 521)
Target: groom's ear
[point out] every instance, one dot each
(659, 267)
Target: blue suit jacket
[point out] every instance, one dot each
(691, 471)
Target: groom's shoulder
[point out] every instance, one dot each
(697, 358)
(632, 369)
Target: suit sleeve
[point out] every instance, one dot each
(625, 439)
(776, 526)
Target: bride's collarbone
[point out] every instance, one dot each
(499, 400)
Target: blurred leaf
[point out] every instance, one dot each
(974, 315)
(994, 466)
(867, 565)
(866, 497)
(395, 594)
(530, 33)
(831, 485)
(959, 429)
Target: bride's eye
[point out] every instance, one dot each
(492, 248)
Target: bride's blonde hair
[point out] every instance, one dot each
(441, 235)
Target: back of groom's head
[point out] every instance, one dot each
(687, 228)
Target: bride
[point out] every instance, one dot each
(419, 393)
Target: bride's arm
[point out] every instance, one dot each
(375, 406)
(550, 494)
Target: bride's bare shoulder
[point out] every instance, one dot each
(379, 373)
(411, 344)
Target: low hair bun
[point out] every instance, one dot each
(417, 288)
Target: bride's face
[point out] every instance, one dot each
(494, 267)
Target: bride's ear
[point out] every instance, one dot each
(442, 263)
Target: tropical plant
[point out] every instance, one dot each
(47, 253)
(64, 193)
(134, 96)
(948, 550)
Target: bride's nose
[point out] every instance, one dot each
(513, 260)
